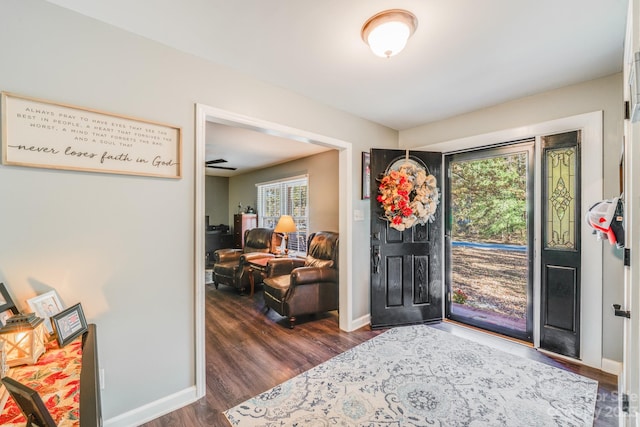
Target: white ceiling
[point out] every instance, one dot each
(465, 54)
(249, 150)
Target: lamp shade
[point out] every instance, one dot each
(387, 32)
(285, 225)
(24, 339)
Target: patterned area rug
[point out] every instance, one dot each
(420, 376)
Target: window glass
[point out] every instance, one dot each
(286, 197)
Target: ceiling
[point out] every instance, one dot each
(465, 54)
(249, 150)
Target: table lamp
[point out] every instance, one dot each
(285, 226)
(24, 339)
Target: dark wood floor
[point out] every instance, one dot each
(249, 352)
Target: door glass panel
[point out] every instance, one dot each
(489, 252)
(561, 199)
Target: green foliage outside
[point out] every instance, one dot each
(488, 199)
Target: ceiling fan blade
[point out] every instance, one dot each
(211, 162)
(221, 167)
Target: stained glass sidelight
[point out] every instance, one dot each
(561, 198)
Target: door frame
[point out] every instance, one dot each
(591, 125)
(206, 113)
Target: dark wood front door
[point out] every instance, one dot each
(561, 219)
(406, 266)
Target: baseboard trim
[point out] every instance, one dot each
(154, 410)
(360, 322)
(612, 366)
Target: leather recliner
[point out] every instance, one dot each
(298, 286)
(230, 266)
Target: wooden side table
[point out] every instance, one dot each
(259, 265)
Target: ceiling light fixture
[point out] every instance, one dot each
(387, 32)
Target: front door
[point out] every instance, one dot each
(406, 266)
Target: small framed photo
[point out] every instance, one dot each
(366, 175)
(69, 324)
(45, 306)
(7, 306)
(30, 403)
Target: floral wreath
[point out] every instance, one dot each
(408, 196)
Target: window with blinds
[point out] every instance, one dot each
(286, 197)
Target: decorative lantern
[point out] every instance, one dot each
(24, 339)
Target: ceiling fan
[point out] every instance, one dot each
(214, 164)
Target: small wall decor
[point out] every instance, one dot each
(45, 306)
(366, 175)
(69, 324)
(45, 134)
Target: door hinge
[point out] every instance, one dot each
(621, 313)
(627, 110)
(625, 402)
(627, 257)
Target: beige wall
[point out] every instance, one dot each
(121, 245)
(602, 94)
(323, 187)
(216, 203)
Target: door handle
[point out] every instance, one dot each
(375, 259)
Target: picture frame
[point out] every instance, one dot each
(366, 175)
(30, 403)
(45, 306)
(7, 306)
(69, 324)
(47, 134)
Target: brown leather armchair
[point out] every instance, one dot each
(230, 265)
(297, 286)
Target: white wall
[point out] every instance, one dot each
(124, 245)
(601, 94)
(323, 187)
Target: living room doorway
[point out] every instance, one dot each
(345, 159)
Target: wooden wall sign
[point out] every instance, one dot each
(46, 134)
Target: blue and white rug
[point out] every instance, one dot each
(420, 376)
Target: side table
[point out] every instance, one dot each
(257, 265)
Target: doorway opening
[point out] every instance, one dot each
(489, 251)
(206, 113)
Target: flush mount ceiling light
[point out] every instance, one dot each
(387, 32)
